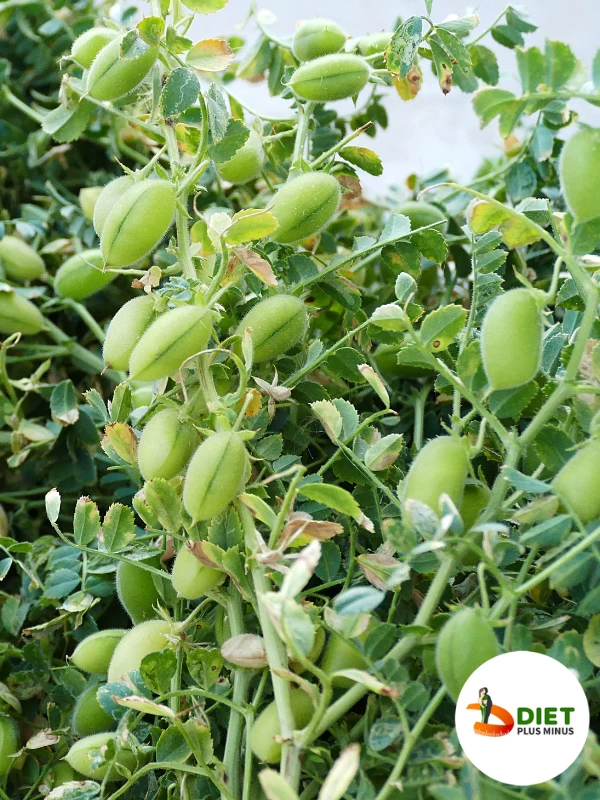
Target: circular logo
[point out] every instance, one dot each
(522, 718)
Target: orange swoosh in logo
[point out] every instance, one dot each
(493, 729)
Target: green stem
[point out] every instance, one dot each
(304, 113)
(95, 363)
(287, 503)
(336, 148)
(241, 684)
(19, 104)
(85, 315)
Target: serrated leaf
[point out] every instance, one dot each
(151, 29)
(179, 93)
(86, 521)
(329, 417)
(218, 115)
(490, 103)
(506, 403)
(484, 64)
(164, 503)
(122, 440)
(453, 45)
(63, 404)
(524, 483)
(67, 123)
(363, 158)
(249, 225)
(441, 327)
(373, 379)
(390, 317)
(233, 136)
(403, 46)
(384, 452)
(405, 287)
(210, 55)
(560, 64)
(118, 528)
(532, 66)
(431, 244)
(349, 415)
(358, 600)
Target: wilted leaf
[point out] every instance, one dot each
(249, 225)
(210, 55)
(256, 264)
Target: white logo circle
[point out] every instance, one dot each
(530, 723)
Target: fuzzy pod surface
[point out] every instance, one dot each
(578, 482)
(107, 198)
(579, 171)
(266, 726)
(304, 206)
(88, 715)
(169, 341)
(465, 642)
(94, 653)
(278, 323)
(317, 37)
(19, 315)
(439, 468)
(9, 744)
(137, 222)
(147, 637)
(82, 754)
(120, 66)
(191, 579)
(166, 445)
(19, 260)
(247, 163)
(331, 77)
(126, 329)
(511, 339)
(81, 275)
(137, 591)
(87, 46)
(214, 475)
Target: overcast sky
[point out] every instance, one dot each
(432, 130)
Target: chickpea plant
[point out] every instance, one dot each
(284, 465)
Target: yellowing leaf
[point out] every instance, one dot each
(210, 55)
(256, 264)
(249, 225)
(145, 706)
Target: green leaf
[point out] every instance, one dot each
(249, 225)
(205, 6)
(441, 327)
(118, 528)
(179, 93)
(403, 46)
(358, 600)
(373, 379)
(145, 706)
(521, 181)
(591, 641)
(517, 18)
(532, 67)
(86, 521)
(210, 55)
(67, 123)
(560, 64)
(349, 416)
(234, 136)
(490, 103)
(443, 63)
(275, 786)
(343, 291)
(63, 404)
(456, 49)
(384, 452)
(344, 362)
(548, 533)
(218, 115)
(506, 403)
(151, 29)
(329, 417)
(573, 573)
(431, 244)
(459, 26)
(333, 497)
(157, 669)
(172, 746)
(164, 503)
(524, 483)
(485, 64)
(364, 158)
(508, 36)
(402, 257)
(405, 287)
(121, 405)
(329, 563)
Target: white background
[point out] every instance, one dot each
(433, 130)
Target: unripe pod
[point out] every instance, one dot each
(81, 753)
(511, 339)
(475, 499)
(439, 468)
(332, 77)
(138, 221)
(81, 275)
(19, 315)
(148, 637)
(4, 527)
(317, 37)
(266, 726)
(142, 393)
(87, 46)
(214, 475)
(126, 329)
(191, 579)
(578, 481)
(340, 654)
(169, 341)
(9, 744)
(19, 260)
(62, 773)
(94, 653)
(89, 717)
(137, 591)
(386, 360)
(111, 75)
(421, 214)
(166, 445)
(304, 206)
(88, 197)
(108, 198)
(374, 43)
(465, 642)
(315, 652)
(579, 170)
(247, 163)
(278, 323)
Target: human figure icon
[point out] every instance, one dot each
(485, 704)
